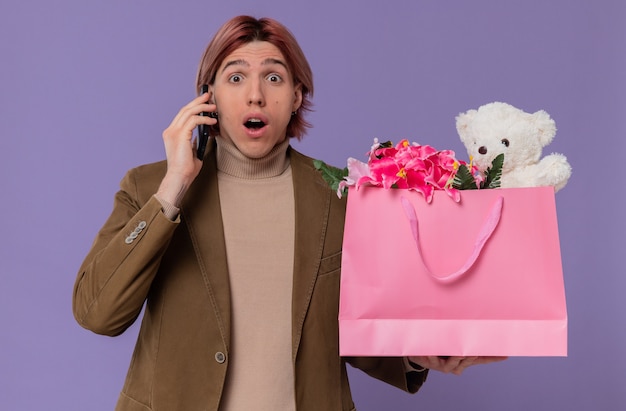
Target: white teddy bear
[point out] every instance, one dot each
(501, 128)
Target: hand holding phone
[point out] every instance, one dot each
(203, 129)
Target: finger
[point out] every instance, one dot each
(203, 102)
(435, 362)
(202, 98)
(469, 361)
(194, 121)
(462, 365)
(195, 106)
(190, 111)
(451, 363)
(185, 126)
(488, 360)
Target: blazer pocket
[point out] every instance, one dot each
(330, 264)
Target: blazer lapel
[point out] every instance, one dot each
(202, 214)
(312, 201)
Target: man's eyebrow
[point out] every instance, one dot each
(242, 62)
(274, 61)
(239, 62)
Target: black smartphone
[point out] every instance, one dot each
(203, 129)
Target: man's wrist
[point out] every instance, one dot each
(172, 190)
(170, 210)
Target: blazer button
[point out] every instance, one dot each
(220, 357)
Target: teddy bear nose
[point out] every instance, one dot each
(482, 150)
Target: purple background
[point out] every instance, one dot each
(86, 87)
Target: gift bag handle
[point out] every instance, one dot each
(488, 227)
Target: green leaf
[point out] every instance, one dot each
(463, 179)
(494, 173)
(332, 175)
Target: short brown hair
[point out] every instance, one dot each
(242, 30)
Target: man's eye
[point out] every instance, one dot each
(235, 78)
(274, 78)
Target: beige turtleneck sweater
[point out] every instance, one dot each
(257, 202)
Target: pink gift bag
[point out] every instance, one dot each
(478, 277)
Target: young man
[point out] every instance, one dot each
(236, 256)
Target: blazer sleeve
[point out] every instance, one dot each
(115, 277)
(390, 370)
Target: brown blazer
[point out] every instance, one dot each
(178, 268)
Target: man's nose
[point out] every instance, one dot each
(255, 95)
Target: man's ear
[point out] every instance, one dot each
(212, 94)
(297, 102)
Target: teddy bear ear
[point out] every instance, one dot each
(463, 121)
(545, 126)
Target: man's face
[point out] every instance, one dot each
(255, 97)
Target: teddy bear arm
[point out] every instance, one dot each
(553, 170)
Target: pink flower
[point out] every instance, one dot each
(409, 166)
(356, 170)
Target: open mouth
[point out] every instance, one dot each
(254, 124)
